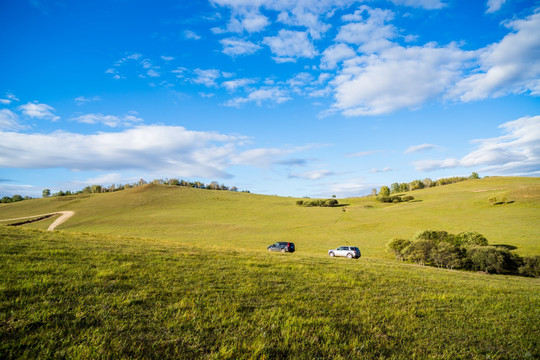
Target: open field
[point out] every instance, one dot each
(70, 295)
(171, 272)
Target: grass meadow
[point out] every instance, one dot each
(90, 296)
(167, 272)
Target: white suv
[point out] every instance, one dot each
(347, 251)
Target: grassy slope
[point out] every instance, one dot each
(88, 296)
(69, 294)
(249, 221)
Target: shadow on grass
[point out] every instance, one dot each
(507, 247)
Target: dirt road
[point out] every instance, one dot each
(65, 216)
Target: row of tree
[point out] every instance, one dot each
(322, 203)
(467, 251)
(395, 188)
(95, 189)
(14, 198)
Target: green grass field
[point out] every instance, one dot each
(84, 296)
(170, 272)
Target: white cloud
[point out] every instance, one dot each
(336, 54)
(206, 77)
(372, 34)
(5, 101)
(509, 66)
(312, 175)
(233, 85)
(290, 45)
(81, 100)
(192, 35)
(421, 147)
(365, 153)
(383, 170)
(109, 120)
(517, 152)
(271, 94)
(38, 111)
(235, 47)
(9, 120)
(426, 4)
(152, 73)
(494, 6)
(167, 58)
(396, 78)
(165, 149)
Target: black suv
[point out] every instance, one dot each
(282, 246)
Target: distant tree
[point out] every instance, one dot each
(373, 192)
(416, 185)
(96, 189)
(474, 175)
(46, 193)
(385, 191)
(428, 182)
(419, 251)
(394, 188)
(234, 188)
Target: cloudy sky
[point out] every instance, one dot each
(286, 97)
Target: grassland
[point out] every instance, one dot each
(87, 296)
(170, 272)
(223, 219)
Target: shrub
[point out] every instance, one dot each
(299, 202)
(398, 245)
(531, 266)
(419, 251)
(436, 236)
(492, 259)
(447, 255)
(470, 238)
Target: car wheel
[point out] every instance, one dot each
(283, 250)
(332, 254)
(349, 256)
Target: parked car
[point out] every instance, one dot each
(347, 251)
(282, 246)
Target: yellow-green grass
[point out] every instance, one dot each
(91, 296)
(229, 220)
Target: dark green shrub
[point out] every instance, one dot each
(419, 251)
(492, 259)
(530, 266)
(447, 255)
(299, 202)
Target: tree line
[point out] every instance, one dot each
(385, 192)
(466, 251)
(96, 189)
(318, 202)
(14, 198)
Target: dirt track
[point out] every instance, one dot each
(65, 216)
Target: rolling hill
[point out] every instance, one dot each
(160, 272)
(223, 219)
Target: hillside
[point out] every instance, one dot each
(223, 219)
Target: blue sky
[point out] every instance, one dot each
(294, 98)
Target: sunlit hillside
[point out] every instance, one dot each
(224, 219)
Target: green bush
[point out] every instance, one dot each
(491, 259)
(531, 266)
(470, 238)
(447, 255)
(419, 251)
(398, 245)
(299, 202)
